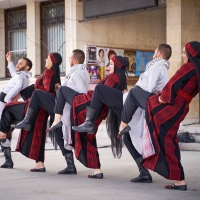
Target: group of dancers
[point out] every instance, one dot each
(146, 118)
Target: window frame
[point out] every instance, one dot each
(13, 27)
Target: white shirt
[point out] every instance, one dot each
(154, 78)
(18, 82)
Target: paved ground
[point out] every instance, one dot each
(20, 184)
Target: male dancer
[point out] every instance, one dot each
(153, 80)
(164, 113)
(78, 79)
(20, 80)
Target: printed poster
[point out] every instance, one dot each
(142, 58)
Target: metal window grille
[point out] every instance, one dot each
(53, 30)
(15, 33)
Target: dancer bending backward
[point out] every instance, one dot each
(30, 142)
(85, 144)
(77, 79)
(152, 80)
(20, 79)
(164, 113)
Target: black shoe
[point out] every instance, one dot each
(89, 125)
(8, 163)
(67, 171)
(38, 170)
(54, 127)
(125, 130)
(176, 187)
(70, 169)
(145, 176)
(142, 179)
(97, 176)
(26, 123)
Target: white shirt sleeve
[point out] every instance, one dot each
(11, 67)
(15, 90)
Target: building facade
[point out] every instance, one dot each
(40, 27)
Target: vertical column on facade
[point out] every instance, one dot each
(173, 17)
(70, 28)
(183, 26)
(2, 44)
(190, 29)
(33, 36)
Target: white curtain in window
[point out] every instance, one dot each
(18, 42)
(56, 42)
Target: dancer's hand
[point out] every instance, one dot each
(159, 92)
(159, 99)
(57, 85)
(124, 91)
(16, 97)
(9, 57)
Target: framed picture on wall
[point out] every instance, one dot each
(142, 58)
(91, 54)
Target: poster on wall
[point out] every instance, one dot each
(101, 56)
(131, 56)
(95, 73)
(91, 54)
(110, 52)
(97, 59)
(101, 61)
(142, 58)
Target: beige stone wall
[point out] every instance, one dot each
(190, 20)
(70, 29)
(143, 30)
(2, 43)
(33, 36)
(183, 25)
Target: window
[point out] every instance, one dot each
(15, 33)
(53, 30)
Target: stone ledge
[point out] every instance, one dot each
(190, 146)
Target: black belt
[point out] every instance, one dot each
(2, 96)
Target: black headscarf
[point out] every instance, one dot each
(56, 60)
(120, 65)
(193, 53)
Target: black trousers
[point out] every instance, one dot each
(105, 95)
(129, 145)
(45, 100)
(11, 113)
(137, 97)
(63, 95)
(42, 99)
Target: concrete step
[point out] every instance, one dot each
(191, 128)
(190, 146)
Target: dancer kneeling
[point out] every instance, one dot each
(20, 79)
(85, 144)
(164, 113)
